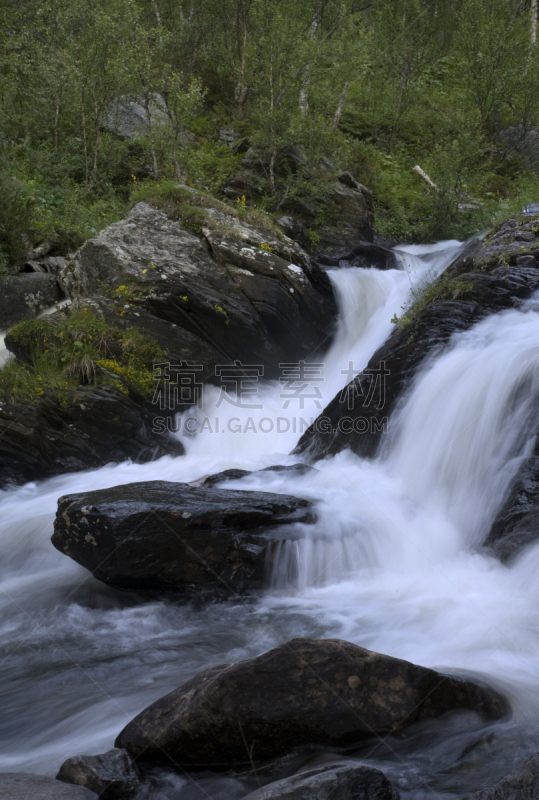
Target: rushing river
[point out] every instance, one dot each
(392, 563)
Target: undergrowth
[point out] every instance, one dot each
(77, 348)
(429, 291)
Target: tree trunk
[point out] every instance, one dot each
(157, 14)
(533, 23)
(97, 133)
(149, 124)
(85, 141)
(340, 106)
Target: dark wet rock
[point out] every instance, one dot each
(112, 775)
(74, 430)
(23, 786)
(294, 470)
(173, 537)
(345, 782)
(357, 417)
(226, 475)
(522, 784)
(368, 254)
(305, 692)
(260, 305)
(25, 296)
(517, 523)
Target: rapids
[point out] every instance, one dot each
(392, 563)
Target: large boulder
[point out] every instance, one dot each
(522, 784)
(357, 417)
(332, 781)
(23, 786)
(173, 537)
(248, 295)
(351, 225)
(24, 296)
(127, 118)
(74, 430)
(306, 692)
(112, 775)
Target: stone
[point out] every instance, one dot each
(173, 537)
(354, 222)
(295, 230)
(23, 786)
(112, 775)
(526, 261)
(128, 118)
(245, 183)
(332, 781)
(259, 305)
(306, 692)
(25, 296)
(521, 784)
(517, 523)
(87, 427)
(295, 470)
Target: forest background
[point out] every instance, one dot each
(375, 88)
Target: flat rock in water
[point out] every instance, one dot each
(112, 775)
(522, 784)
(331, 782)
(23, 786)
(175, 537)
(324, 692)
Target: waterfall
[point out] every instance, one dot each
(391, 562)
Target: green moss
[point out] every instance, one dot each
(78, 348)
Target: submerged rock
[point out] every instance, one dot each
(173, 537)
(345, 782)
(23, 786)
(305, 692)
(522, 784)
(112, 775)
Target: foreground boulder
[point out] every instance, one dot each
(112, 775)
(175, 537)
(346, 782)
(23, 786)
(306, 692)
(357, 417)
(522, 784)
(74, 430)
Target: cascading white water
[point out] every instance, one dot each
(390, 564)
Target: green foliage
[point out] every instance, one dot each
(372, 87)
(74, 348)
